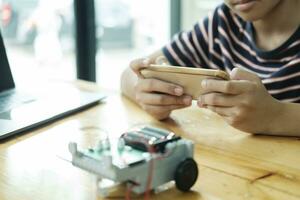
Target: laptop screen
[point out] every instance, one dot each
(6, 79)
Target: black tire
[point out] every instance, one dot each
(186, 174)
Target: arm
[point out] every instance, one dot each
(287, 123)
(128, 81)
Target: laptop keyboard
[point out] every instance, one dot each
(12, 99)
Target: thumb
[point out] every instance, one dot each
(161, 60)
(139, 64)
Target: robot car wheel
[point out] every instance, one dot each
(186, 174)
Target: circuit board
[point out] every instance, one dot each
(121, 158)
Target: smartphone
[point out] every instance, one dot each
(187, 77)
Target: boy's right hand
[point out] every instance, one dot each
(158, 98)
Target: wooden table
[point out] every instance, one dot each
(233, 165)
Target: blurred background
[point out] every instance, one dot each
(40, 35)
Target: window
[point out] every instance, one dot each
(128, 29)
(39, 38)
(193, 10)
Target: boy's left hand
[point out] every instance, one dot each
(243, 101)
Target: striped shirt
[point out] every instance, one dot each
(224, 41)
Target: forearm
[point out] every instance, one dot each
(288, 122)
(128, 82)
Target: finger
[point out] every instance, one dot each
(138, 64)
(162, 99)
(161, 110)
(227, 87)
(239, 74)
(155, 85)
(223, 111)
(217, 99)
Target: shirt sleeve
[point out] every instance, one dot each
(194, 48)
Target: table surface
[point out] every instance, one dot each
(233, 165)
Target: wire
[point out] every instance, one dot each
(151, 150)
(150, 174)
(128, 191)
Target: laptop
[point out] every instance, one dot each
(22, 109)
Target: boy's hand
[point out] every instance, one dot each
(243, 101)
(159, 98)
(141, 63)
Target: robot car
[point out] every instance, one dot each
(146, 157)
